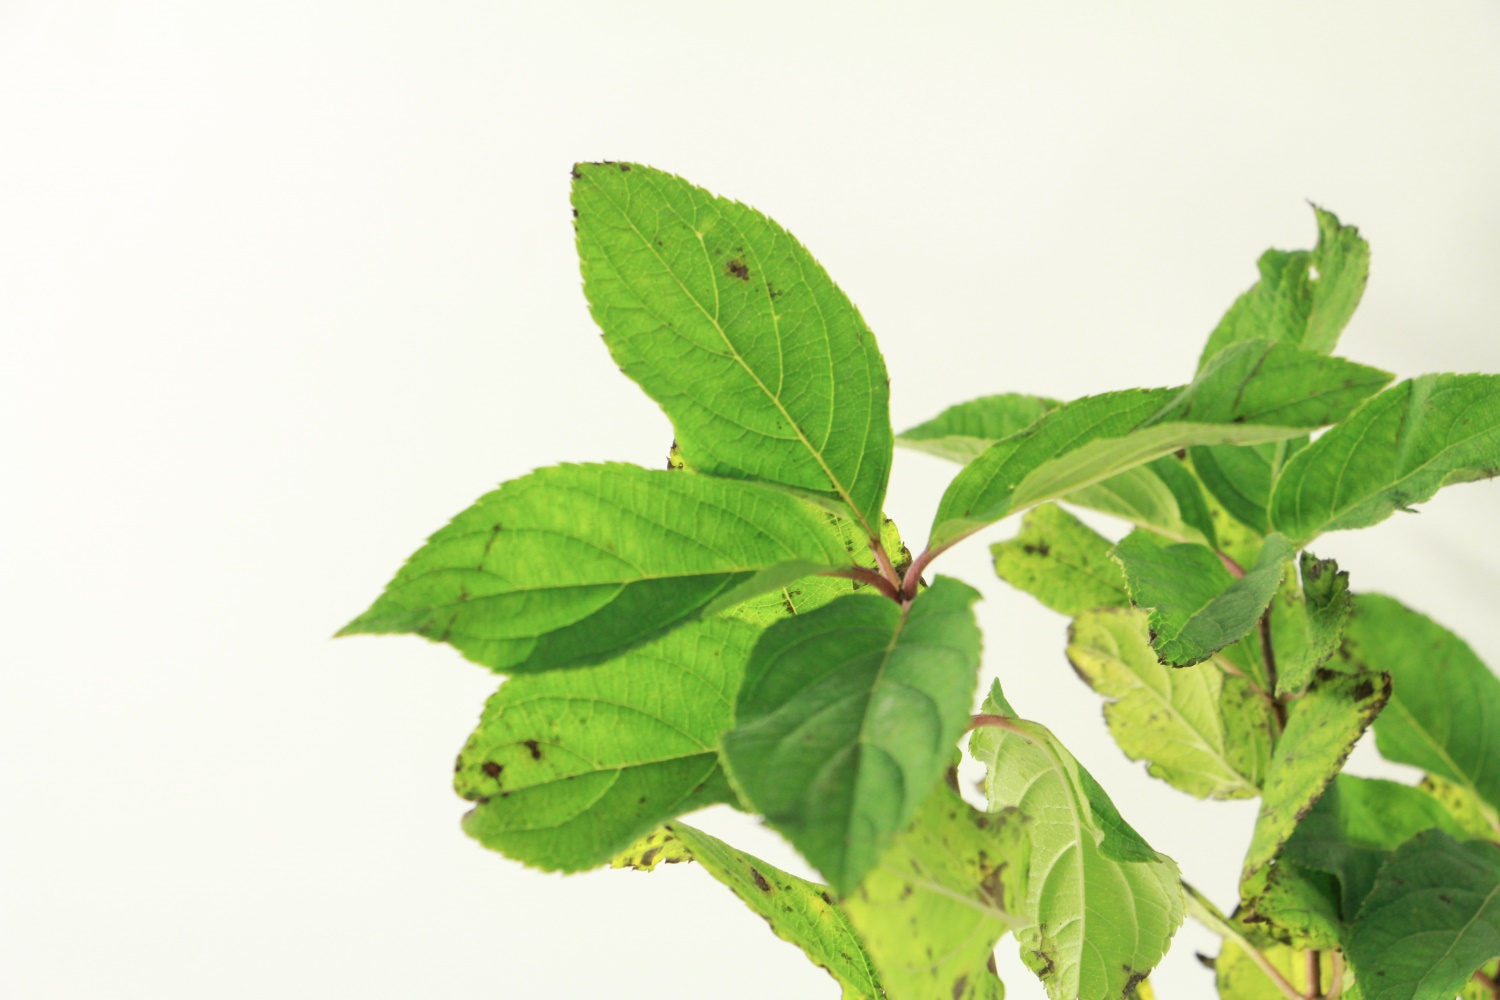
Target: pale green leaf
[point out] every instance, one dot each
(1297, 906)
(1303, 297)
(1321, 730)
(1239, 976)
(1432, 918)
(1061, 562)
(1471, 812)
(1252, 392)
(1445, 711)
(1163, 496)
(1101, 922)
(931, 911)
(1197, 606)
(572, 564)
(764, 366)
(1396, 451)
(659, 847)
(570, 767)
(1172, 719)
(1355, 826)
(961, 432)
(1307, 621)
(848, 717)
(798, 911)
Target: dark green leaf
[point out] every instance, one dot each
(569, 767)
(1303, 297)
(1061, 562)
(764, 366)
(1242, 478)
(572, 564)
(1397, 451)
(1307, 621)
(1356, 825)
(1445, 711)
(848, 717)
(1252, 392)
(1431, 920)
(931, 911)
(1197, 606)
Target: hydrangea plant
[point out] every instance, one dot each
(746, 627)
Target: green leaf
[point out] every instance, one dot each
(797, 910)
(1303, 297)
(569, 768)
(1239, 976)
(764, 366)
(1321, 729)
(1446, 707)
(1197, 606)
(1297, 906)
(1251, 393)
(848, 717)
(1307, 621)
(1467, 809)
(659, 847)
(1396, 451)
(1355, 826)
(1163, 496)
(1104, 914)
(961, 432)
(1431, 920)
(1242, 478)
(810, 592)
(931, 911)
(1061, 562)
(572, 564)
(1172, 719)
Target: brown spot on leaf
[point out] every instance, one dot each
(492, 769)
(760, 880)
(959, 985)
(534, 747)
(736, 268)
(1363, 690)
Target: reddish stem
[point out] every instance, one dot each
(866, 576)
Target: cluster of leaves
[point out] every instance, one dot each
(746, 627)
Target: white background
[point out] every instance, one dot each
(286, 284)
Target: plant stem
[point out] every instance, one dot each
(1268, 654)
(1487, 983)
(860, 574)
(1314, 974)
(994, 721)
(914, 571)
(1336, 980)
(1235, 569)
(883, 560)
(1201, 910)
